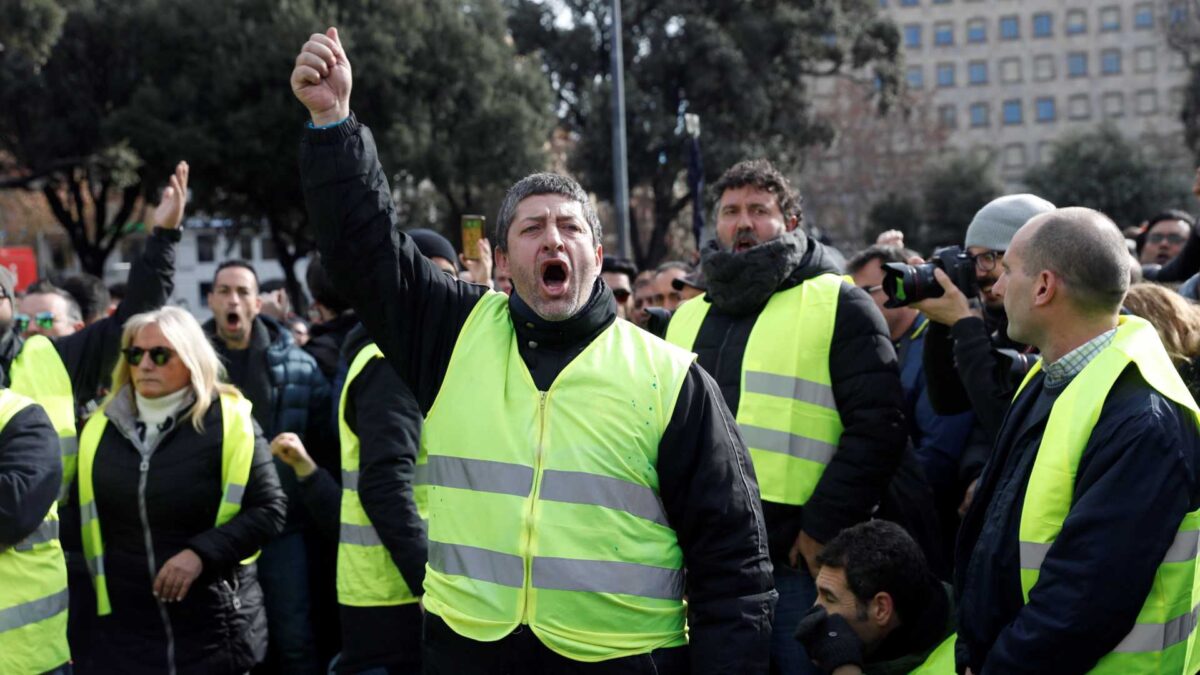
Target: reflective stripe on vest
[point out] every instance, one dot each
(543, 507)
(33, 587)
(366, 574)
(940, 661)
(1163, 636)
(237, 456)
(786, 410)
(39, 373)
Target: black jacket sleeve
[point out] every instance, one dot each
(30, 474)
(946, 392)
(322, 498)
(710, 494)
(91, 353)
(1136, 481)
(411, 308)
(264, 509)
(985, 375)
(866, 388)
(384, 415)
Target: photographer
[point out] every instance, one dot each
(964, 369)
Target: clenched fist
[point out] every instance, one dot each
(321, 78)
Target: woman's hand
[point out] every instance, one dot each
(288, 448)
(175, 578)
(169, 212)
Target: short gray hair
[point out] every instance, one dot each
(1087, 250)
(543, 184)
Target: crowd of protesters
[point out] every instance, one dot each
(541, 459)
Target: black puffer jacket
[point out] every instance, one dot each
(866, 388)
(220, 626)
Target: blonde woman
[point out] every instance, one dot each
(1177, 322)
(177, 493)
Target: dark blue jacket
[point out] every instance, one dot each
(938, 440)
(1138, 476)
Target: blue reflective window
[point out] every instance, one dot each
(1077, 65)
(977, 31)
(915, 77)
(1009, 28)
(909, 3)
(912, 35)
(1143, 17)
(979, 115)
(945, 74)
(1043, 25)
(1046, 111)
(1110, 62)
(1012, 112)
(943, 34)
(977, 72)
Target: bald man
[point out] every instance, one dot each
(1078, 552)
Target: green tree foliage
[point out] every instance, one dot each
(953, 189)
(208, 81)
(894, 212)
(1103, 170)
(29, 28)
(740, 66)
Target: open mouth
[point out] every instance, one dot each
(233, 321)
(554, 277)
(743, 244)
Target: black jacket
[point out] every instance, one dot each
(1138, 476)
(220, 626)
(30, 474)
(866, 388)
(325, 342)
(414, 312)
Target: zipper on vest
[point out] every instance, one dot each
(143, 475)
(529, 521)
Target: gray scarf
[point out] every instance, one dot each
(741, 283)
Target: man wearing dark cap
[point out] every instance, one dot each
(618, 273)
(691, 285)
(437, 248)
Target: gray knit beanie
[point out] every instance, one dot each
(995, 224)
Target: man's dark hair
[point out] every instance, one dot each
(1169, 214)
(543, 184)
(272, 285)
(90, 294)
(619, 266)
(118, 290)
(1086, 249)
(884, 254)
(878, 556)
(761, 174)
(237, 262)
(45, 287)
(322, 289)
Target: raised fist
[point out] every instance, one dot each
(321, 78)
(169, 212)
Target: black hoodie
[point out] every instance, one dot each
(415, 313)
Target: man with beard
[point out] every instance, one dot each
(289, 393)
(964, 369)
(805, 362)
(571, 465)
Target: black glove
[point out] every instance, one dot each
(829, 640)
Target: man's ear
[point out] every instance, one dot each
(502, 262)
(792, 224)
(599, 255)
(1045, 287)
(882, 609)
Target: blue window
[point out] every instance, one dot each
(1110, 62)
(915, 77)
(1009, 28)
(979, 115)
(1045, 110)
(882, 4)
(1077, 65)
(977, 72)
(1012, 112)
(943, 34)
(912, 35)
(1143, 17)
(976, 31)
(1043, 25)
(945, 74)
(909, 3)
(1076, 22)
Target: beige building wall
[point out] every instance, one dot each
(1011, 76)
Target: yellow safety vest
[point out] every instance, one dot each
(366, 574)
(39, 373)
(543, 507)
(237, 456)
(33, 588)
(786, 411)
(1163, 636)
(940, 661)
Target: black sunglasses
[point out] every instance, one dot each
(621, 294)
(159, 356)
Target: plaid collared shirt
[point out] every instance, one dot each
(1077, 359)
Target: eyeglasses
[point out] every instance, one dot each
(986, 262)
(45, 321)
(621, 294)
(159, 356)
(1159, 237)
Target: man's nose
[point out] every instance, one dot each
(552, 238)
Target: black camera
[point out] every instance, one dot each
(905, 284)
